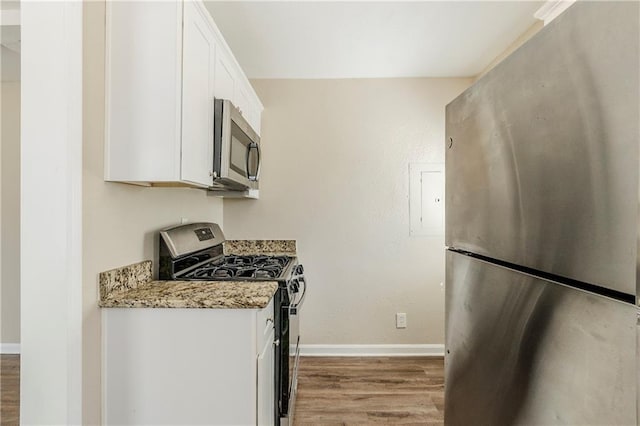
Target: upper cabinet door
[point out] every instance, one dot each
(143, 85)
(241, 100)
(255, 113)
(198, 68)
(225, 81)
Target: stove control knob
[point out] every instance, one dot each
(299, 269)
(295, 286)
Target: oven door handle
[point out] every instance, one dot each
(286, 330)
(293, 310)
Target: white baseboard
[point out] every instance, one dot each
(434, 350)
(9, 348)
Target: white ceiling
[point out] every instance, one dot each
(322, 39)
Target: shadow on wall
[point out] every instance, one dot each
(10, 190)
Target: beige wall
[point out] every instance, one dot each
(335, 178)
(119, 221)
(10, 214)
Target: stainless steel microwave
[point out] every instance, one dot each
(236, 149)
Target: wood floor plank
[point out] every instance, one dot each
(361, 391)
(9, 389)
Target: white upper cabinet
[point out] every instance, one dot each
(198, 65)
(224, 82)
(143, 91)
(165, 64)
(241, 100)
(255, 114)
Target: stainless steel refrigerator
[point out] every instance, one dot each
(542, 229)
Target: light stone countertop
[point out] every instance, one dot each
(194, 294)
(260, 247)
(132, 287)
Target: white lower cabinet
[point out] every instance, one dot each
(188, 366)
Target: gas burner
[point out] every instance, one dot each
(208, 272)
(238, 260)
(266, 273)
(241, 268)
(224, 272)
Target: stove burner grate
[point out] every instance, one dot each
(241, 267)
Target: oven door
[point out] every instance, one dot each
(236, 149)
(297, 291)
(294, 357)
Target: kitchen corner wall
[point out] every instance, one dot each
(120, 222)
(10, 223)
(335, 177)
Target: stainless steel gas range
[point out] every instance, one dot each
(194, 252)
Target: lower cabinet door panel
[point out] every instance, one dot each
(179, 366)
(266, 383)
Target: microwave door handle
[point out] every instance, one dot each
(258, 163)
(253, 177)
(247, 161)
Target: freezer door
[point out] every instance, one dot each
(542, 152)
(520, 350)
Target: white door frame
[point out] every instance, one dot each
(51, 213)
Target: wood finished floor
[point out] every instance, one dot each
(9, 389)
(331, 391)
(363, 391)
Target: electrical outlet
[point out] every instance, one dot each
(183, 220)
(401, 320)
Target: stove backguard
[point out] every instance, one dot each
(182, 247)
(183, 240)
